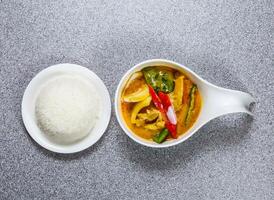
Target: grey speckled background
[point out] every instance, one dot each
(229, 43)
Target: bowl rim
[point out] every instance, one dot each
(130, 133)
(28, 105)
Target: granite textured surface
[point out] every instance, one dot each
(229, 43)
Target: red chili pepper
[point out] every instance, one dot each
(162, 105)
(172, 129)
(156, 100)
(170, 112)
(165, 100)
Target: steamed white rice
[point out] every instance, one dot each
(66, 108)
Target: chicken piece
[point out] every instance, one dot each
(149, 116)
(145, 119)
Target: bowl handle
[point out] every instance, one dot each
(220, 101)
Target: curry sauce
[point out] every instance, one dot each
(150, 120)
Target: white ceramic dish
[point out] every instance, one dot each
(28, 108)
(217, 101)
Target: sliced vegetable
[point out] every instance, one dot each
(160, 80)
(160, 137)
(168, 107)
(163, 108)
(181, 116)
(170, 113)
(133, 77)
(156, 100)
(151, 75)
(172, 129)
(178, 93)
(191, 103)
(166, 81)
(165, 100)
(139, 106)
(187, 88)
(137, 96)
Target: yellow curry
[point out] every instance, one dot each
(160, 103)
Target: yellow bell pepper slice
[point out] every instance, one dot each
(137, 96)
(139, 106)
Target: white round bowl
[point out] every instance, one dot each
(28, 108)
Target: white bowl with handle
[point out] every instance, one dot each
(216, 101)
